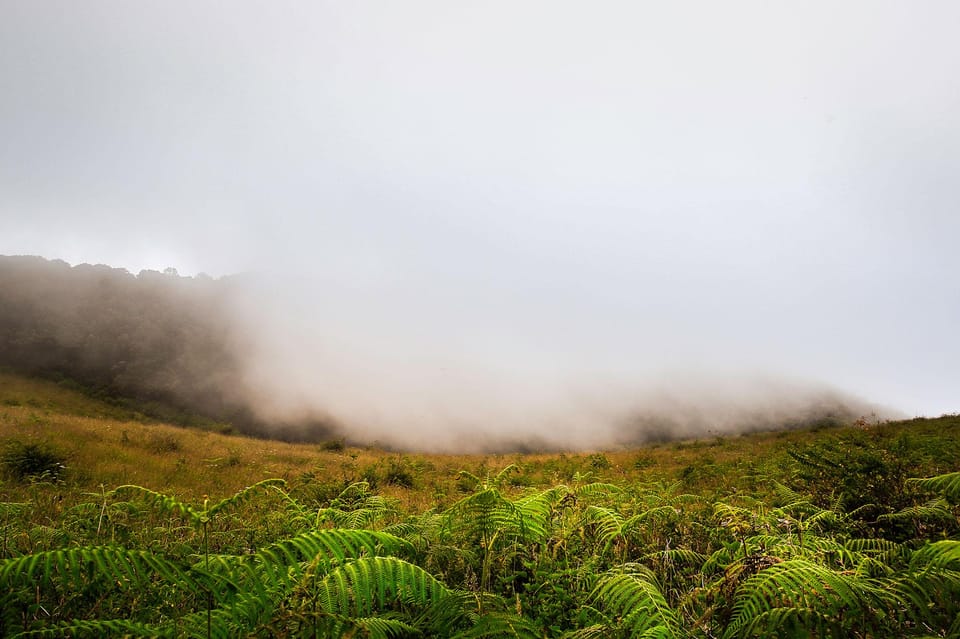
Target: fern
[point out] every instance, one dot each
(803, 590)
(75, 567)
(935, 512)
(355, 507)
(198, 516)
(632, 595)
(495, 626)
(941, 555)
(94, 628)
(608, 523)
(370, 584)
(947, 485)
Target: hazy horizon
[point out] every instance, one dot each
(514, 213)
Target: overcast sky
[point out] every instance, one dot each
(592, 190)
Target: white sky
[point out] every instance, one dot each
(570, 190)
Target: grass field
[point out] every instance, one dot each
(815, 532)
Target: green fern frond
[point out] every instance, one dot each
(947, 485)
(873, 546)
(404, 529)
(597, 489)
(940, 555)
(244, 495)
(597, 631)
(197, 516)
(487, 514)
(534, 511)
(632, 595)
(370, 584)
(164, 503)
(369, 511)
(500, 477)
(822, 550)
(609, 524)
(330, 546)
(9, 508)
(76, 566)
(384, 627)
(450, 614)
(496, 625)
(680, 556)
(937, 511)
(791, 622)
(787, 495)
(95, 628)
(800, 585)
(664, 512)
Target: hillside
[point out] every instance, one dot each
(155, 337)
(105, 444)
(818, 530)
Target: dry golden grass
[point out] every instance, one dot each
(107, 446)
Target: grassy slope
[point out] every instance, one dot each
(109, 446)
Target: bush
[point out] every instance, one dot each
(599, 461)
(399, 473)
(333, 445)
(28, 461)
(160, 443)
(862, 473)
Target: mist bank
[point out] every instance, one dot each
(306, 358)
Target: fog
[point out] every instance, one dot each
(515, 222)
(274, 357)
(412, 371)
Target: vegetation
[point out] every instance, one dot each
(849, 531)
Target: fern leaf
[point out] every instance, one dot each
(947, 485)
(933, 512)
(494, 626)
(940, 555)
(125, 567)
(365, 585)
(244, 495)
(800, 585)
(633, 595)
(165, 503)
(95, 628)
(608, 522)
(384, 627)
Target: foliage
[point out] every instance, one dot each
(32, 460)
(858, 543)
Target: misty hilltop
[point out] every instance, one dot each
(154, 336)
(197, 347)
(159, 339)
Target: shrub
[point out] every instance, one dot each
(599, 461)
(334, 445)
(644, 461)
(160, 443)
(399, 473)
(26, 461)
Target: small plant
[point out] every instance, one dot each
(399, 473)
(160, 443)
(334, 445)
(644, 461)
(599, 461)
(28, 461)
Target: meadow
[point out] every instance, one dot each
(112, 524)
